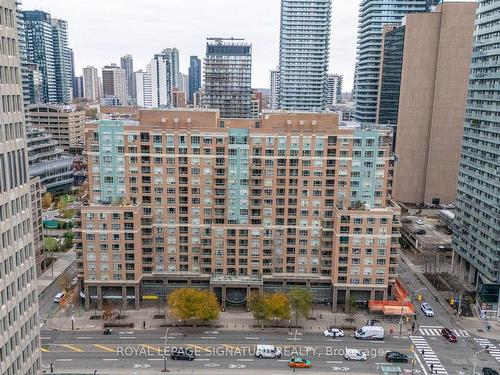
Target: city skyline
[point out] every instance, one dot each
(93, 47)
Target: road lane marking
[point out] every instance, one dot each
(202, 359)
(45, 337)
(282, 360)
(245, 359)
(105, 348)
(337, 362)
(110, 359)
(44, 350)
(151, 347)
(127, 337)
(155, 359)
(230, 346)
(208, 337)
(83, 337)
(429, 357)
(198, 347)
(64, 360)
(252, 338)
(72, 347)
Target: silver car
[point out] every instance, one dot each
(426, 309)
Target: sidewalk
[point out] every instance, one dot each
(59, 266)
(471, 324)
(231, 321)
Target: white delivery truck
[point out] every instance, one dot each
(370, 333)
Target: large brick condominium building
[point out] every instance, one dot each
(183, 197)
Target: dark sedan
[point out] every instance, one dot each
(396, 357)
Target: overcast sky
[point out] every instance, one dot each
(101, 31)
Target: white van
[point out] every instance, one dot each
(267, 351)
(370, 333)
(59, 296)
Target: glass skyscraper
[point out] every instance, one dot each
(46, 43)
(476, 237)
(304, 51)
(373, 15)
(194, 77)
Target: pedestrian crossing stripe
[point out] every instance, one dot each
(430, 358)
(492, 349)
(437, 332)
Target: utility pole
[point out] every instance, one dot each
(401, 319)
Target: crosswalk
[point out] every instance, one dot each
(430, 358)
(436, 331)
(492, 349)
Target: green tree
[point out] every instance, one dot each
(300, 302)
(191, 303)
(277, 306)
(46, 200)
(68, 240)
(258, 307)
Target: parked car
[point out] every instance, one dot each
(354, 354)
(420, 231)
(74, 281)
(419, 222)
(59, 296)
(426, 309)
(489, 371)
(370, 333)
(333, 332)
(396, 357)
(267, 351)
(183, 354)
(448, 335)
(299, 363)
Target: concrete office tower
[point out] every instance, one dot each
(228, 77)
(64, 122)
(90, 83)
(184, 86)
(304, 51)
(333, 89)
(283, 200)
(373, 15)
(194, 74)
(127, 63)
(160, 71)
(476, 236)
(19, 312)
(274, 85)
(178, 99)
(433, 96)
(391, 66)
(114, 83)
(37, 220)
(143, 89)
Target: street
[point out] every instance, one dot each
(143, 349)
(46, 303)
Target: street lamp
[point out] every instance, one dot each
(165, 351)
(475, 357)
(73, 322)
